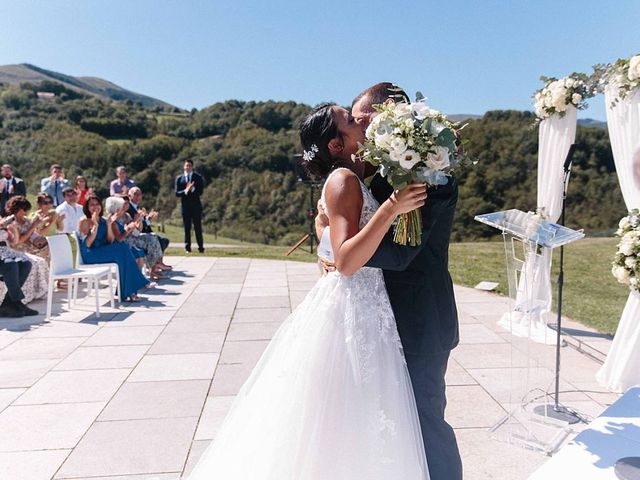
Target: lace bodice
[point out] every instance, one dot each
(369, 203)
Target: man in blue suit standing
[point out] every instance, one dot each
(422, 297)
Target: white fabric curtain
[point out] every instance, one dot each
(555, 137)
(621, 369)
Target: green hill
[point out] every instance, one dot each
(92, 86)
(245, 150)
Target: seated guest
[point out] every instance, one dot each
(46, 211)
(11, 187)
(69, 212)
(28, 239)
(122, 228)
(137, 213)
(31, 238)
(14, 269)
(55, 184)
(98, 245)
(81, 188)
(122, 184)
(149, 243)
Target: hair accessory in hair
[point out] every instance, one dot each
(309, 155)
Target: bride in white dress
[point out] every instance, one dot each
(331, 397)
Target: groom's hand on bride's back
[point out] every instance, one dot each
(326, 265)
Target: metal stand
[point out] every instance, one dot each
(311, 211)
(556, 410)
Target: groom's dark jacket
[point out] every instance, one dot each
(417, 278)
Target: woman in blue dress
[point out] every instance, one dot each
(118, 205)
(97, 246)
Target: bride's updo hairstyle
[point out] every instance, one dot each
(316, 131)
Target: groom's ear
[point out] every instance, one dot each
(335, 146)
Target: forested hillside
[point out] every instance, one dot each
(245, 149)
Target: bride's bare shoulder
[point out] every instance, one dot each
(343, 187)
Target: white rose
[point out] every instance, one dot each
(576, 98)
(624, 223)
(633, 282)
(383, 140)
(626, 247)
(539, 108)
(621, 274)
(634, 220)
(397, 145)
(634, 68)
(402, 109)
(407, 159)
(420, 110)
(569, 82)
(630, 262)
(438, 160)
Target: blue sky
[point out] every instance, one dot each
(465, 56)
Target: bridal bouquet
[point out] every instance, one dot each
(557, 95)
(626, 267)
(410, 142)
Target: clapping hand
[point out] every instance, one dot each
(152, 215)
(112, 218)
(189, 187)
(95, 218)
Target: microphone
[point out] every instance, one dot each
(569, 159)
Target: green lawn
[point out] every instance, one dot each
(591, 295)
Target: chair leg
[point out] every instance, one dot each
(111, 290)
(50, 298)
(69, 292)
(97, 290)
(76, 285)
(116, 271)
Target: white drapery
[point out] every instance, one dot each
(621, 369)
(555, 137)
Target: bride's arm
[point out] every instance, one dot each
(352, 247)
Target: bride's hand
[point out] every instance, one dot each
(409, 198)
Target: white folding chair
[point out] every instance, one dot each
(62, 269)
(80, 265)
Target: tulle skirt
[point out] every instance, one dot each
(330, 399)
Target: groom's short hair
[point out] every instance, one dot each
(380, 92)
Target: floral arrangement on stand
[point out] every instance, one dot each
(626, 267)
(410, 142)
(558, 94)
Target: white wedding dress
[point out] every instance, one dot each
(331, 397)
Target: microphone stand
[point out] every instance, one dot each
(555, 410)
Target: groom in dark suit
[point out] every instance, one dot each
(421, 295)
(189, 186)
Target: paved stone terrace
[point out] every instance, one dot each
(139, 393)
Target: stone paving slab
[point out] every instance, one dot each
(139, 393)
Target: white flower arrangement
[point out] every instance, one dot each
(626, 262)
(624, 74)
(411, 142)
(558, 94)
